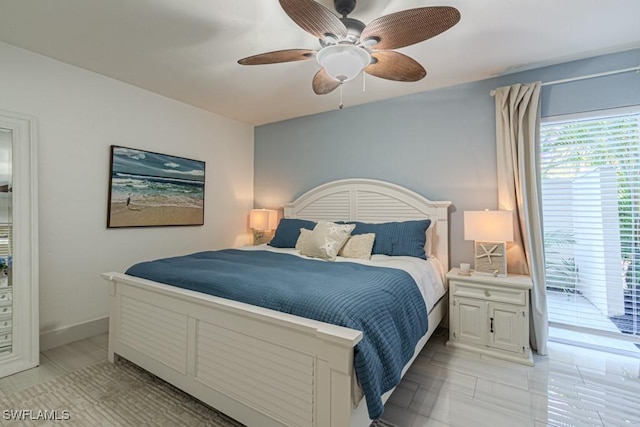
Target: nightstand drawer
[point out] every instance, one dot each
(488, 293)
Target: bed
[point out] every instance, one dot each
(230, 354)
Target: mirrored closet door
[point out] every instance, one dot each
(6, 236)
(19, 331)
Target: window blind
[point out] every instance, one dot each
(590, 176)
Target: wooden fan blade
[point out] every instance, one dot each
(410, 26)
(314, 18)
(323, 84)
(392, 65)
(288, 55)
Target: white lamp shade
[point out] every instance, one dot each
(263, 219)
(488, 226)
(343, 62)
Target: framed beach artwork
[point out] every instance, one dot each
(150, 189)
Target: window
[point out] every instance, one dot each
(590, 173)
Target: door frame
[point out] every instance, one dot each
(25, 272)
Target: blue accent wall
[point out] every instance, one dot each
(439, 143)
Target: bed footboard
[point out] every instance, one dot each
(260, 367)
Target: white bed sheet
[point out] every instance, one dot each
(428, 274)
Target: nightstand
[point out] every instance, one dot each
(490, 315)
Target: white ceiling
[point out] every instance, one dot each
(187, 49)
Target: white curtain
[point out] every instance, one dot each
(518, 149)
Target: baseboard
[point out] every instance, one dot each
(69, 334)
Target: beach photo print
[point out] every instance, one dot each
(149, 189)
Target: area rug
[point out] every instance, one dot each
(106, 394)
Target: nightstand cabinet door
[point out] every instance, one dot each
(507, 323)
(468, 320)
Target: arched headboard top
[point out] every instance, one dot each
(370, 200)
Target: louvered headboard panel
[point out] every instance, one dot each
(370, 200)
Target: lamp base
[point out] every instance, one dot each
(491, 258)
(261, 237)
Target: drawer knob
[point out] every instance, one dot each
(487, 293)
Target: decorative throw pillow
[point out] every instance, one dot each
(288, 230)
(326, 240)
(303, 238)
(359, 246)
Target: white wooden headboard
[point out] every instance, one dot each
(370, 200)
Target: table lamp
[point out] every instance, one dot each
(490, 230)
(262, 221)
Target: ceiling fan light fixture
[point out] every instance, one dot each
(349, 46)
(343, 62)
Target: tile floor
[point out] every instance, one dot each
(58, 361)
(452, 387)
(571, 387)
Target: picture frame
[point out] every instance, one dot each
(491, 258)
(149, 189)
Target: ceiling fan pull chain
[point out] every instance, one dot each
(341, 105)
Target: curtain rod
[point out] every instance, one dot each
(588, 76)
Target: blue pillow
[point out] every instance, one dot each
(405, 238)
(288, 232)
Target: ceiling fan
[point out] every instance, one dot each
(348, 46)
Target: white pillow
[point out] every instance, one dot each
(428, 246)
(303, 238)
(326, 240)
(358, 246)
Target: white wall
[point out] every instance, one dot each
(440, 143)
(594, 200)
(80, 114)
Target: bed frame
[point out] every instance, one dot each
(262, 367)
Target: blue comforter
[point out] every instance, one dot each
(384, 303)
